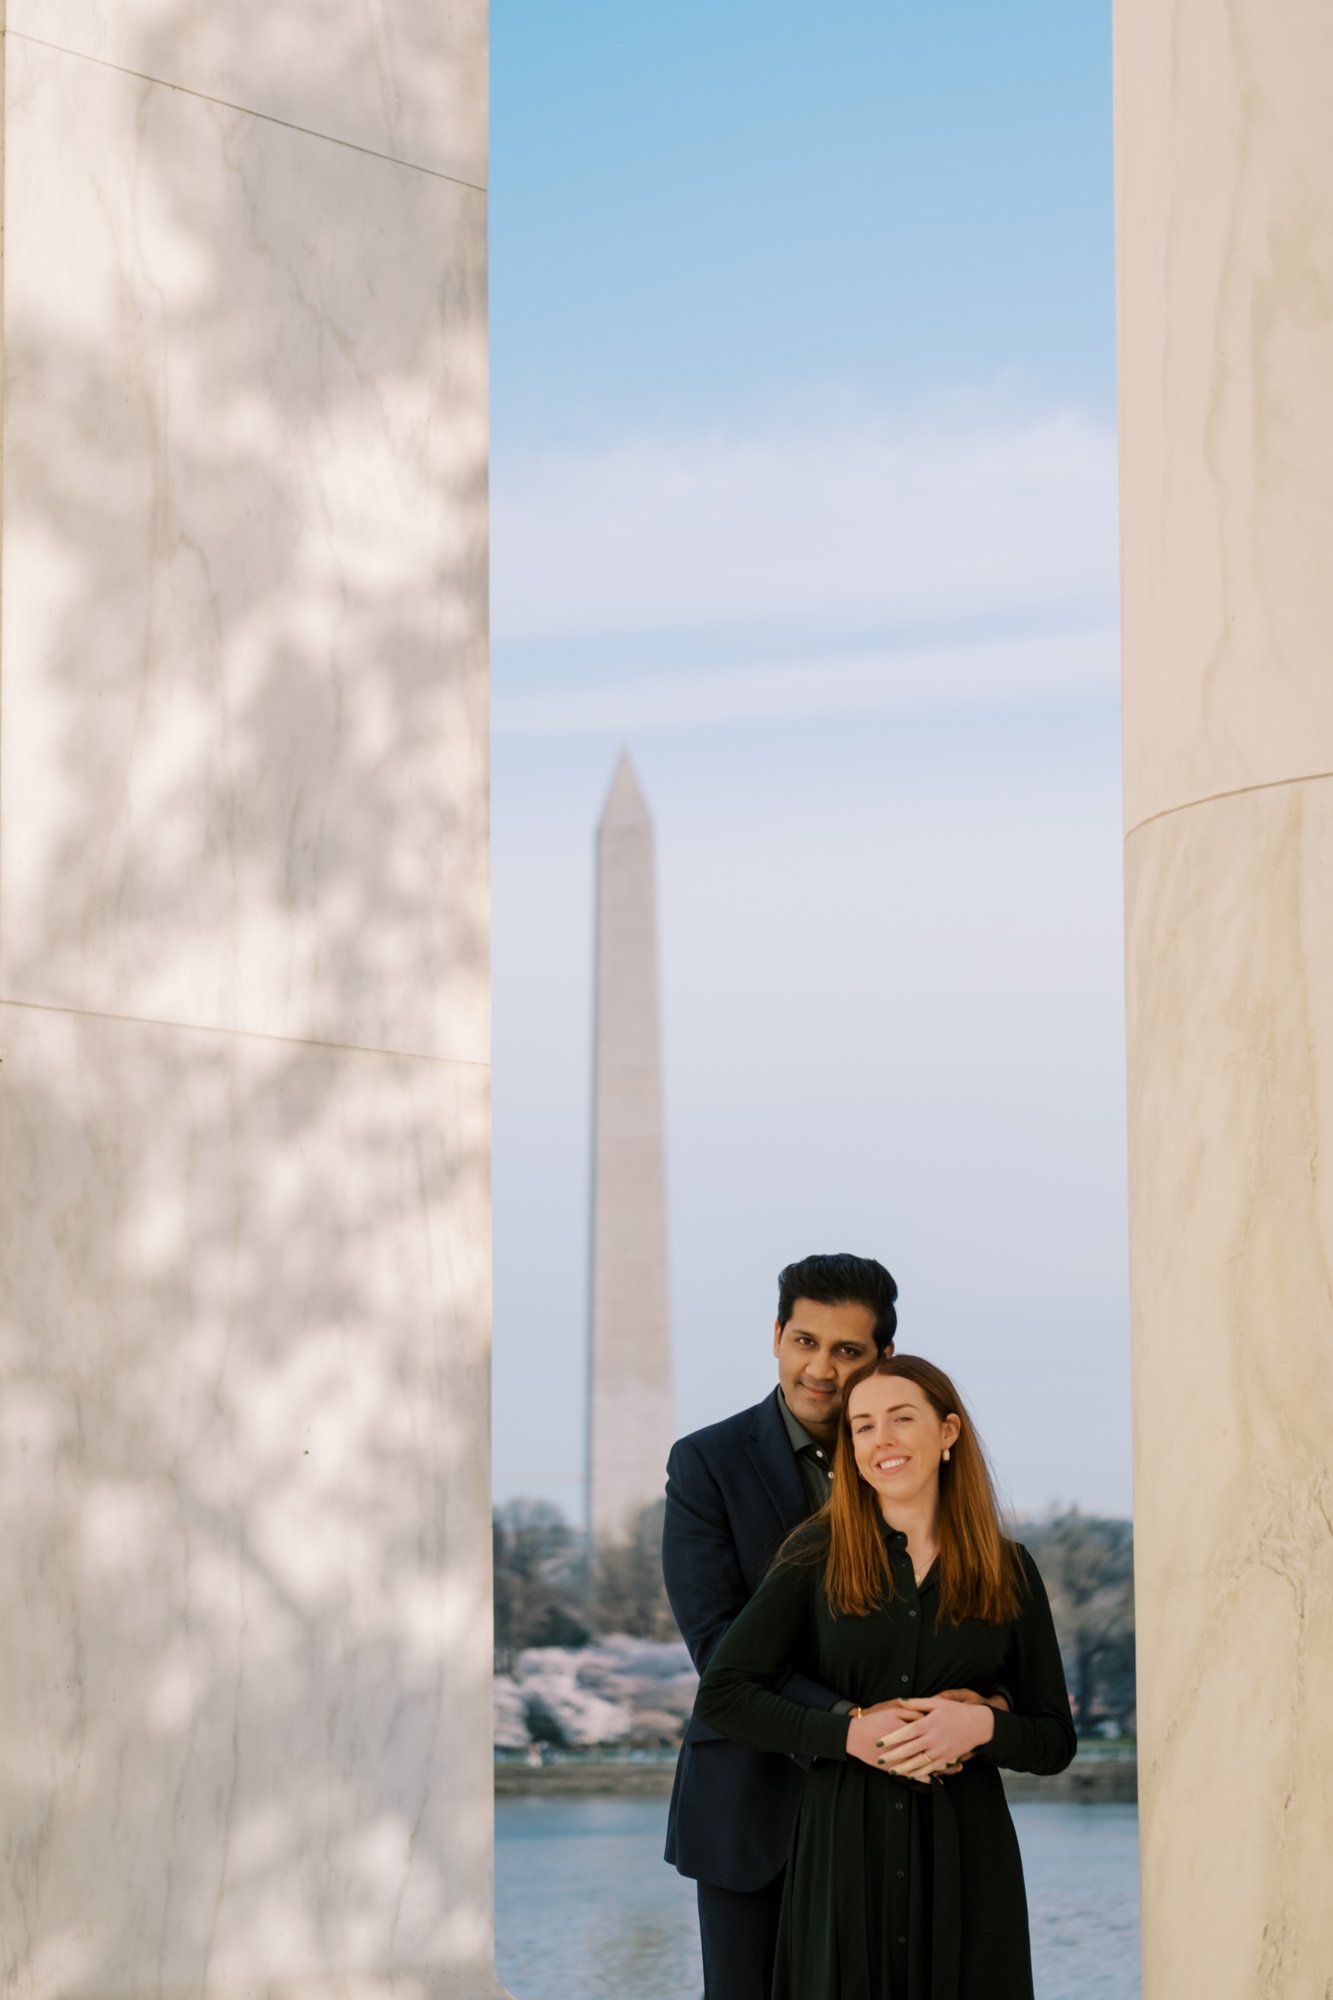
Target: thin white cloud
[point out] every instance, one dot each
(836, 529)
(1032, 668)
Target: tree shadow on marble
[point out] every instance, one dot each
(245, 1123)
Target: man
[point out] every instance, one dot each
(734, 1493)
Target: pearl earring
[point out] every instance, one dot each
(946, 1454)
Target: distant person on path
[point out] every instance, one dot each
(734, 1493)
(901, 1880)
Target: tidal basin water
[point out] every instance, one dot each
(586, 1909)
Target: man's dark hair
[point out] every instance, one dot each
(841, 1280)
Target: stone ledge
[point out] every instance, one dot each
(1099, 1780)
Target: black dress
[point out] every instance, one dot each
(895, 1890)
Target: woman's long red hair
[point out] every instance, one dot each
(979, 1575)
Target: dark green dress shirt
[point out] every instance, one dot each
(813, 1459)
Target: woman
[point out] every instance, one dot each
(903, 1883)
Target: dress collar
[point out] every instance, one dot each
(897, 1545)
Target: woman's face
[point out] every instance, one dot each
(897, 1439)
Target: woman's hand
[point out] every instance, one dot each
(968, 1694)
(864, 1731)
(938, 1732)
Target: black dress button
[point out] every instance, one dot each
(904, 1678)
(911, 1614)
(897, 1805)
(901, 1873)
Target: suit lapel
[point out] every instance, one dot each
(770, 1453)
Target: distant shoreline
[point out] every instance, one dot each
(1095, 1780)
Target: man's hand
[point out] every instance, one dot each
(970, 1694)
(941, 1734)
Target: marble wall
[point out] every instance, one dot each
(244, 1233)
(1224, 161)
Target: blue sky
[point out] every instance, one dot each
(701, 209)
(804, 489)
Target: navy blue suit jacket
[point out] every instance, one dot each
(734, 1492)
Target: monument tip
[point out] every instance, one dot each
(625, 803)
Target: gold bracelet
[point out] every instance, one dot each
(858, 1711)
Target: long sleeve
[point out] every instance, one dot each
(738, 1694)
(1039, 1735)
(705, 1584)
(700, 1567)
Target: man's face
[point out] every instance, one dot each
(818, 1348)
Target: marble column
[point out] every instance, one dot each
(1224, 164)
(629, 1375)
(244, 1257)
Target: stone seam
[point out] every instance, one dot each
(245, 1034)
(244, 111)
(1216, 798)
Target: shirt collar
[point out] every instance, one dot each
(897, 1542)
(798, 1436)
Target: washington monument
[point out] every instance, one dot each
(630, 1414)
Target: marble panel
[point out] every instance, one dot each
(405, 78)
(245, 1682)
(1225, 280)
(1231, 1111)
(244, 745)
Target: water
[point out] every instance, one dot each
(586, 1909)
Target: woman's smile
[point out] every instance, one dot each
(898, 1441)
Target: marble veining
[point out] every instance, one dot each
(244, 756)
(393, 76)
(245, 1681)
(1225, 283)
(1225, 296)
(244, 1125)
(1231, 1108)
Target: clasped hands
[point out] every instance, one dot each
(923, 1737)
